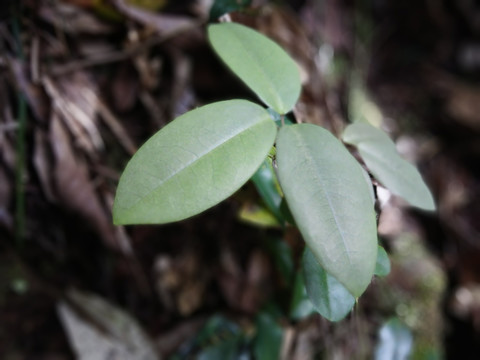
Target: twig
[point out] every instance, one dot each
(34, 60)
(116, 56)
(9, 126)
(21, 151)
(114, 124)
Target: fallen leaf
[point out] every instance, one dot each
(74, 98)
(165, 25)
(101, 331)
(73, 19)
(73, 186)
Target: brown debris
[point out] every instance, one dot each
(245, 291)
(73, 20)
(181, 283)
(73, 186)
(100, 77)
(165, 25)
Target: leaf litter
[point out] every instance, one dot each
(101, 77)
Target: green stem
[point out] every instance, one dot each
(20, 171)
(21, 151)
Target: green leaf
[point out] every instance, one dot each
(301, 306)
(329, 297)
(267, 186)
(286, 213)
(261, 64)
(382, 268)
(370, 186)
(395, 341)
(278, 118)
(269, 338)
(330, 202)
(225, 350)
(97, 329)
(398, 175)
(215, 328)
(193, 163)
(282, 257)
(257, 215)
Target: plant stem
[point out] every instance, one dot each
(20, 171)
(20, 152)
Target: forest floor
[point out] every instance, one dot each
(83, 83)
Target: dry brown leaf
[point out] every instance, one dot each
(168, 342)
(306, 344)
(245, 291)
(74, 97)
(116, 127)
(7, 151)
(230, 278)
(258, 282)
(287, 343)
(73, 19)
(73, 187)
(42, 162)
(165, 25)
(94, 48)
(125, 87)
(34, 94)
(98, 330)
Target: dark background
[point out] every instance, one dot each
(83, 83)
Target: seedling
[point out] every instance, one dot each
(205, 155)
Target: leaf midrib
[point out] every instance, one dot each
(215, 147)
(265, 76)
(311, 159)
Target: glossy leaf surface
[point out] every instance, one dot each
(330, 298)
(267, 186)
(282, 257)
(382, 159)
(259, 62)
(301, 306)
(330, 202)
(193, 163)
